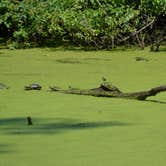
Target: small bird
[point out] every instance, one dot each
(104, 79)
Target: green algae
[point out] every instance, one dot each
(81, 130)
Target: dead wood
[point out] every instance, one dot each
(108, 90)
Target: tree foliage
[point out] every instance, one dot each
(93, 23)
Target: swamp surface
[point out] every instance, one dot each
(71, 130)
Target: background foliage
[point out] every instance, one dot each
(89, 23)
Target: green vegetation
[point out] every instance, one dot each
(97, 24)
(71, 130)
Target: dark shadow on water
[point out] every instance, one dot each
(155, 101)
(11, 121)
(5, 148)
(81, 61)
(69, 60)
(52, 125)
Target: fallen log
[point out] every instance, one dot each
(106, 89)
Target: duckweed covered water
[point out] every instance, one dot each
(71, 130)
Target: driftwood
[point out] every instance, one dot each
(108, 90)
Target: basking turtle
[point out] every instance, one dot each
(3, 86)
(109, 87)
(33, 86)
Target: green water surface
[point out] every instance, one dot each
(73, 130)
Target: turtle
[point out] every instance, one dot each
(3, 86)
(33, 86)
(109, 87)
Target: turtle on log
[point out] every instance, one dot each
(107, 86)
(33, 86)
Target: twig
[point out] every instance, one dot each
(140, 30)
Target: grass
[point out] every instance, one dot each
(71, 130)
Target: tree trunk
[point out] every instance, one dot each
(108, 90)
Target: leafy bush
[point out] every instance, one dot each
(93, 23)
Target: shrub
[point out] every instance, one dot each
(93, 23)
